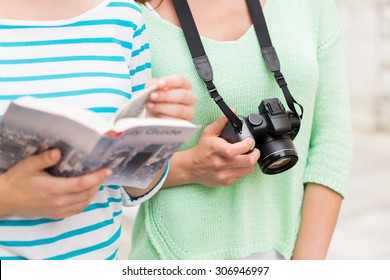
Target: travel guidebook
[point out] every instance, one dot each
(133, 148)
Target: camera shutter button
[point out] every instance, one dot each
(255, 119)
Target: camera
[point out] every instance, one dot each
(273, 129)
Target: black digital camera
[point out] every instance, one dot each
(273, 130)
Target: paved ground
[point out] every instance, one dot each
(363, 231)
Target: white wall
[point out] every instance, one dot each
(363, 230)
(364, 52)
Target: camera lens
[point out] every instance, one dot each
(278, 154)
(279, 163)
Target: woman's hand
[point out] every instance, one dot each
(27, 190)
(173, 99)
(213, 162)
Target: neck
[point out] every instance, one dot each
(219, 20)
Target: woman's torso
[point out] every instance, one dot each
(86, 62)
(259, 213)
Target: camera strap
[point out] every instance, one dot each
(269, 52)
(203, 66)
(200, 59)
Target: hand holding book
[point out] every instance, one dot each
(172, 99)
(28, 191)
(49, 125)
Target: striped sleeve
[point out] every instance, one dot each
(140, 65)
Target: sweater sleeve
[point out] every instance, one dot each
(330, 150)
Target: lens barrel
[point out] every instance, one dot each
(278, 154)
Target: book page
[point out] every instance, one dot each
(82, 116)
(28, 131)
(137, 154)
(134, 107)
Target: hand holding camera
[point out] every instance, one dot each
(273, 130)
(216, 162)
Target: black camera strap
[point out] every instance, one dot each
(203, 66)
(269, 52)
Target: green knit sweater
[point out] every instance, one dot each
(259, 213)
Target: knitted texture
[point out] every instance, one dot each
(259, 212)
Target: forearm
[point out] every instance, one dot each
(321, 207)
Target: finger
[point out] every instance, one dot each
(242, 171)
(174, 81)
(84, 197)
(177, 111)
(216, 127)
(230, 176)
(162, 116)
(84, 182)
(41, 161)
(180, 96)
(151, 82)
(71, 210)
(246, 160)
(239, 148)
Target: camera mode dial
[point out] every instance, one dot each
(255, 119)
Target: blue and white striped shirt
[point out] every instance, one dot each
(97, 61)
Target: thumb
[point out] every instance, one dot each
(215, 128)
(42, 161)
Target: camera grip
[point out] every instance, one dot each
(231, 135)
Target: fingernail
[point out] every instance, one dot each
(251, 142)
(161, 83)
(153, 96)
(150, 105)
(108, 173)
(52, 154)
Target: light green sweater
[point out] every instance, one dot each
(259, 213)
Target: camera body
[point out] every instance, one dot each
(273, 129)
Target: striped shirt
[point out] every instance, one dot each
(96, 61)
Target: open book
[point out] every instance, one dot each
(133, 148)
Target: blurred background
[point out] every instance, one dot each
(363, 230)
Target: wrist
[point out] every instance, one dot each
(181, 171)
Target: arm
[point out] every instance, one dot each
(139, 66)
(173, 99)
(321, 207)
(330, 151)
(213, 162)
